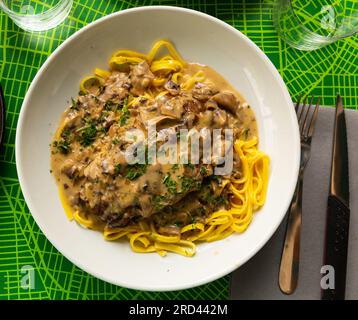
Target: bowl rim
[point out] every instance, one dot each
(26, 192)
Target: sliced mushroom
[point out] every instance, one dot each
(71, 169)
(219, 187)
(172, 87)
(141, 78)
(146, 205)
(148, 113)
(205, 119)
(117, 221)
(170, 230)
(116, 86)
(162, 122)
(189, 119)
(93, 170)
(192, 105)
(227, 101)
(220, 118)
(173, 108)
(211, 105)
(204, 91)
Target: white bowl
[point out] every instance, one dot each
(199, 38)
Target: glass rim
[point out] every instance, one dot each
(36, 15)
(314, 34)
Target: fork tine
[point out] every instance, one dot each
(298, 103)
(313, 120)
(304, 123)
(302, 109)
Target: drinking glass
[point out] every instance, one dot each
(312, 24)
(36, 15)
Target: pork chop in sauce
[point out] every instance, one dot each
(88, 162)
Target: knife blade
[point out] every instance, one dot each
(338, 212)
(2, 116)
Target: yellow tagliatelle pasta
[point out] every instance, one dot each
(247, 193)
(122, 59)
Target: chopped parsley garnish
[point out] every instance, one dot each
(88, 133)
(189, 165)
(188, 184)
(110, 106)
(215, 179)
(222, 200)
(203, 170)
(115, 141)
(74, 104)
(63, 145)
(170, 184)
(209, 198)
(103, 116)
(134, 171)
(125, 113)
(101, 89)
(158, 202)
(117, 169)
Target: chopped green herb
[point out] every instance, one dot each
(209, 197)
(103, 116)
(115, 141)
(158, 202)
(110, 106)
(178, 223)
(170, 184)
(88, 133)
(65, 134)
(136, 170)
(117, 169)
(74, 104)
(125, 113)
(215, 179)
(103, 130)
(101, 89)
(175, 167)
(189, 165)
(188, 184)
(222, 200)
(203, 170)
(62, 146)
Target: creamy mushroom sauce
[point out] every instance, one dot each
(94, 175)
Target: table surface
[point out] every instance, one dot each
(23, 247)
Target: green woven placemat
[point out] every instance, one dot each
(23, 248)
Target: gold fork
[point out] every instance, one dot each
(288, 275)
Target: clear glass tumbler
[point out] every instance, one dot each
(312, 24)
(36, 15)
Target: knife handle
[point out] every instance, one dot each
(336, 246)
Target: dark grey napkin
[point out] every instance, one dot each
(258, 278)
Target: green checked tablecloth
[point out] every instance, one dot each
(22, 245)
